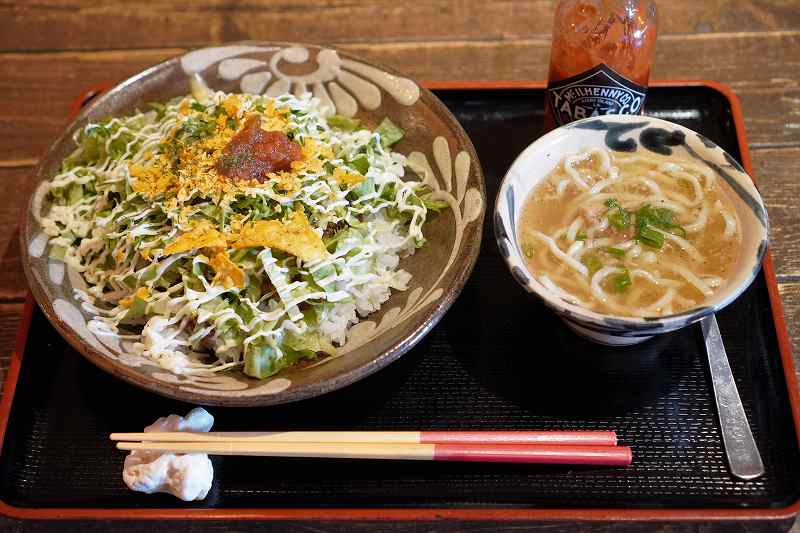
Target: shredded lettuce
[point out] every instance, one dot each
(344, 123)
(176, 304)
(390, 133)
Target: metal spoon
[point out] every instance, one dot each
(740, 447)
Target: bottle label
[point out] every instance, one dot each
(597, 91)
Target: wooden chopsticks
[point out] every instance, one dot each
(546, 447)
(565, 438)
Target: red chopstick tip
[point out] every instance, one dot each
(540, 454)
(629, 459)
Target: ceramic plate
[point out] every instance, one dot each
(438, 150)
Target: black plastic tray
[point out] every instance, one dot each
(498, 360)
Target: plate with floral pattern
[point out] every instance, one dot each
(438, 153)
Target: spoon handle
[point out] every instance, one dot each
(740, 447)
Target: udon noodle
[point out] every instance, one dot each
(630, 234)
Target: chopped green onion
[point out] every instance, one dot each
(581, 236)
(196, 128)
(344, 123)
(527, 249)
(620, 282)
(119, 146)
(665, 215)
(244, 312)
(649, 217)
(259, 361)
(650, 237)
(364, 188)
(360, 163)
(137, 308)
(592, 262)
(74, 193)
(333, 241)
(389, 191)
(323, 272)
(211, 211)
(197, 106)
(619, 218)
(619, 252)
(148, 274)
(390, 133)
(434, 205)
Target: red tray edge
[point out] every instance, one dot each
(434, 514)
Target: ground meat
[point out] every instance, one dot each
(253, 153)
(267, 287)
(333, 228)
(592, 215)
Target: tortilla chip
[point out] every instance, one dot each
(228, 274)
(347, 178)
(201, 236)
(296, 237)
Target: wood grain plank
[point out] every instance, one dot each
(74, 24)
(747, 44)
(17, 188)
(31, 119)
(776, 172)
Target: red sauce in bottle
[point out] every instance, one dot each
(600, 59)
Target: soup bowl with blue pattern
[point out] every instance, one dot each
(632, 134)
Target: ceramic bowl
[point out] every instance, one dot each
(439, 152)
(628, 133)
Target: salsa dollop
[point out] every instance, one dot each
(253, 153)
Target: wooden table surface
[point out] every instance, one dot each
(51, 50)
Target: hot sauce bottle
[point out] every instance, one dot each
(600, 59)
